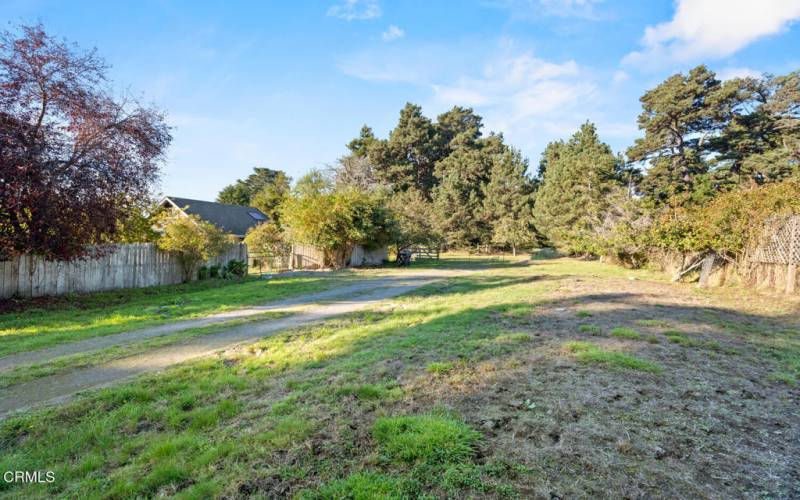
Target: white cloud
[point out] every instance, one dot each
(713, 29)
(518, 87)
(392, 33)
(356, 10)
(620, 76)
(732, 72)
(531, 100)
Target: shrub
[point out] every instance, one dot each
(203, 273)
(336, 220)
(731, 224)
(192, 239)
(214, 271)
(237, 268)
(267, 239)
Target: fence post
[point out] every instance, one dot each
(794, 254)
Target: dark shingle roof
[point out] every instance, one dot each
(233, 219)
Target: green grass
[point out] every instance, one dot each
(625, 333)
(583, 314)
(430, 439)
(681, 338)
(369, 392)
(360, 486)
(592, 353)
(590, 329)
(90, 315)
(440, 368)
(28, 372)
(513, 338)
(344, 409)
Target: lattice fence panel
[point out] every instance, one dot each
(780, 243)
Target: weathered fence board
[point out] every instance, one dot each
(128, 266)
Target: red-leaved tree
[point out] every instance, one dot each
(73, 159)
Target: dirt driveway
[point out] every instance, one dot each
(310, 308)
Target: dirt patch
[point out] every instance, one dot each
(710, 425)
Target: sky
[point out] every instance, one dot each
(287, 84)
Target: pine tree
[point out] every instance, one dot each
(508, 201)
(761, 139)
(408, 157)
(458, 199)
(571, 200)
(679, 117)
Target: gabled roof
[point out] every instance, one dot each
(233, 219)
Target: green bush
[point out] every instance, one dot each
(191, 239)
(237, 268)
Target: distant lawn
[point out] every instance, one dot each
(76, 317)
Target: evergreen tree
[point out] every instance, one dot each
(242, 191)
(679, 117)
(458, 199)
(458, 127)
(406, 160)
(269, 198)
(761, 139)
(571, 201)
(359, 147)
(508, 201)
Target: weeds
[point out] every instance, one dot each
(625, 333)
(592, 353)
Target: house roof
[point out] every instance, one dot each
(233, 219)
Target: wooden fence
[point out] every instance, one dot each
(778, 253)
(423, 252)
(128, 266)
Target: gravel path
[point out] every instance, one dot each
(61, 386)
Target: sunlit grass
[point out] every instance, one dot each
(106, 313)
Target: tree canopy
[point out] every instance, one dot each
(336, 220)
(572, 200)
(74, 160)
(438, 175)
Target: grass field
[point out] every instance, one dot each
(56, 320)
(557, 378)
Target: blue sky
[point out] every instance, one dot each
(286, 84)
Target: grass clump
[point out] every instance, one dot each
(360, 486)
(786, 378)
(625, 333)
(583, 314)
(591, 353)
(369, 392)
(288, 431)
(680, 338)
(430, 439)
(655, 323)
(440, 367)
(513, 338)
(590, 329)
